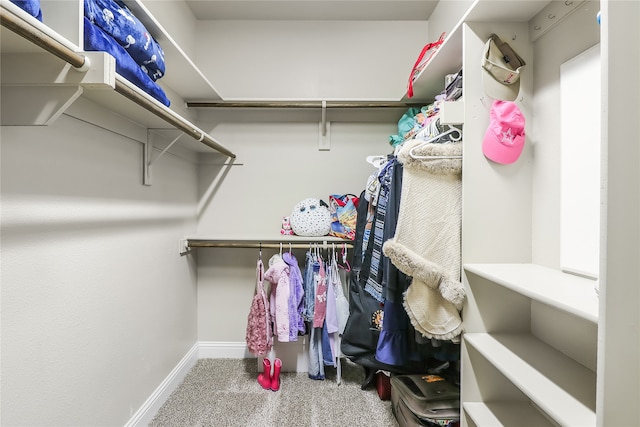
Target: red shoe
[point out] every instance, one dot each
(264, 379)
(275, 379)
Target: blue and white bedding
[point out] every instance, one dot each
(97, 40)
(115, 19)
(32, 7)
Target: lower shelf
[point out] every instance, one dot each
(520, 414)
(561, 387)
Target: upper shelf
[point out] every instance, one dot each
(61, 76)
(572, 294)
(448, 58)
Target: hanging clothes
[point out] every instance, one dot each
(360, 335)
(394, 343)
(331, 324)
(342, 304)
(312, 267)
(278, 275)
(426, 244)
(259, 337)
(320, 309)
(296, 297)
(312, 279)
(374, 282)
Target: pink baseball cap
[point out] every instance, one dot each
(504, 139)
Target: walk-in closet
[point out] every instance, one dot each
(138, 194)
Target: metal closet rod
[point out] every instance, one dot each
(299, 104)
(172, 118)
(271, 245)
(40, 38)
(81, 62)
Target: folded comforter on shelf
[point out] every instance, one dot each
(115, 19)
(32, 7)
(97, 40)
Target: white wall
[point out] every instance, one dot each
(578, 32)
(279, 164)
(310, 59)
(278, 160)
(97, 305)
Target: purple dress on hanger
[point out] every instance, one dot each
(296, 297)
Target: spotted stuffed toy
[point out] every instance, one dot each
(311, 218)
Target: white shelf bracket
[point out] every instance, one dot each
(324, 132)
(147, 161)
(183, 247)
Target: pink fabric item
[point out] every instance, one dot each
(320, 307)
(504, 139)
(259, 337)
(278, 275)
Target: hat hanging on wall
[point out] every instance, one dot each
(501, 67)
(504, 139)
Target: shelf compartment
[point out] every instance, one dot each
(448, 58)
(521, 414)
(567, 292)
(184, 77)
(562, 388)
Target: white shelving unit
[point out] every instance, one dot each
(540, 347)
(561, 387)
(566, 292)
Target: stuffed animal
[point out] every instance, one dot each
(286, 226)
(311, 217)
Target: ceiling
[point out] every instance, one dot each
(316, 10)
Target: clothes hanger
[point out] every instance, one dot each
(345, 262)
(377, 161)
(451, 130)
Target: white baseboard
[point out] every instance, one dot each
(148, 410)
(293, 355)
(223, 350)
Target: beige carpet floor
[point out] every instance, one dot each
(224, 392)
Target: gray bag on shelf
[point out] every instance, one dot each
(424, 400)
